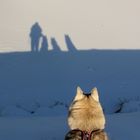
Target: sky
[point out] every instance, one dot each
(91, 24)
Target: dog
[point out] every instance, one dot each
(86, 118)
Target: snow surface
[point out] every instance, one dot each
(37, 88)
(100, 24)
(120, 126)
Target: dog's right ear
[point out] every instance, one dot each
(94, 94)
(79, 94)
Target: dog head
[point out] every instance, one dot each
(85, 112)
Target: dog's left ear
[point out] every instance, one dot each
(79, 94)
(94, 94)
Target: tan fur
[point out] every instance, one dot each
(86, 114)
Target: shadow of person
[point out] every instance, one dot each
(35, 35)
(71, 47)
(55, 45)
(44, 44)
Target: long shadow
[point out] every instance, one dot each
(35, 35)
(44, 44)
(55, 46)
(43, 78)
(71, 47)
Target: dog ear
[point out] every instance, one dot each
(94, 94)
(79, 94)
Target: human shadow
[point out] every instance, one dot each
(35, 35)
(55, 46)
(44, 44)
(71, 47)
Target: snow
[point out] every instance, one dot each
(35, 128)
(123, 126)
(34, 80)
(131, 106)
(37, 88)
(89, 23)
(120, 126)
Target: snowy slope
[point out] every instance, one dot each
(92, 24)
(37, 88)
(120, 126)
(49, 78)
